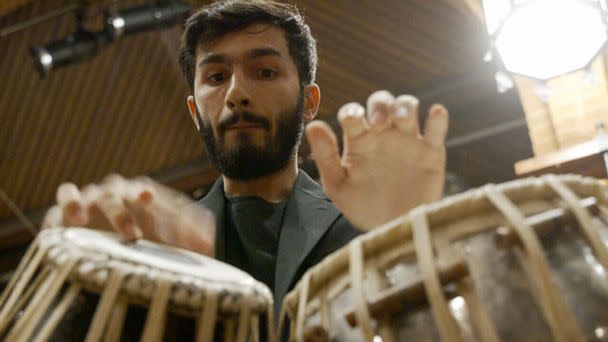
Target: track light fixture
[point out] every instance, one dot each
(145, 18)
(76, 47)
(84, 44)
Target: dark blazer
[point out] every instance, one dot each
(312, 228)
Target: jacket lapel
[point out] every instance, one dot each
(308, 215)
(214, 201)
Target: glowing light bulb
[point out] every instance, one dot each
(545, 38)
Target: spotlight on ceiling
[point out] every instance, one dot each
(78, 46)
(543, 39)
(145, 18)
(84, 44)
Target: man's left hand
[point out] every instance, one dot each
(387, 167)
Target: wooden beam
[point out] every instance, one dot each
(586, 159)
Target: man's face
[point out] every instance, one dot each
(248, 101)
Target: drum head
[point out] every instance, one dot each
(147, 253)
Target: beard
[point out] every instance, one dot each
(246, 161)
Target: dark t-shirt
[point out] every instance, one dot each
(252, 229)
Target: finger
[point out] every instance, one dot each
(379, 106)
(195, 243)
(201, 217)
(152, 189)
(115, 189)
(117, 214)
(198, 229)
(324, 147)
(90, 193)
(405, 114)
(70, 202)
(159, 212)
(112, 180)
(436, 127)
(95, 217)
(352, 120)
(141, 203)
(140, 193)
(53, 218)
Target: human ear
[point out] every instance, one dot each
(192, 108)
(312, 98)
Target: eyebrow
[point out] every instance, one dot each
(213, 59)
(252, 54)
(262, 52)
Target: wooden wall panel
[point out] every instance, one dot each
(567, 116)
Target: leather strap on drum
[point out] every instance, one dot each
(255, 329)
(481, 322)
(484, 329)
(426, 261)
(106, 303)
(299, 326)
(60, 310)
(154, 328)
(25, 326)
(32, 288)
(20, 284)
(244, 318)
(356, 277)
(561, 320)
(584, 218)
(282, 317)
(23, 265)
(286, 313)
(229, 330)
(324, 310)
(117, 321)
(207, 320)
(270, 323)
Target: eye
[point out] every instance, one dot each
(216, 78)
(266, 73)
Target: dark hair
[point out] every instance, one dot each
(221, 17)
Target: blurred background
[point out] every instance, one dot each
(118, 103)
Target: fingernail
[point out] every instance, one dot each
(145, 197)
(401, 111)
(356, 111)
(437, 108)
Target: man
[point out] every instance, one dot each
(251, 68)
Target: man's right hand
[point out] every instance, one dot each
(139, 208)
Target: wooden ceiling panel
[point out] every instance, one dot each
(122, 111)
(7, 6)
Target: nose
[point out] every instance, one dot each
(237, 97)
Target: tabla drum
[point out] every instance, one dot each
(76, 284)
(520, 261)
